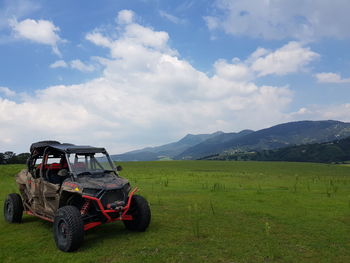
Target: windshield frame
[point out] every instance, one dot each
(92, 156)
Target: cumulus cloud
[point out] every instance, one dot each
(39, 31)
(125, 17)
(296, 19)
(292, 57)
(7, 92)
(329, 77)
(98, 39)
(235, 71)
(147, 94)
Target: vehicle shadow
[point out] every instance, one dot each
(35, 220)
(30, 219)
(114, 231)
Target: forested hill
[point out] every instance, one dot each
(330, 152)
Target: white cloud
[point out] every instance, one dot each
(318, 112)
(235, 71)
(79, 65)
(74, 64)
(329, 77)
(258, 53)
(144, 37)
(212, 22)
(336, 112)
(296, 19)
(39, 31)
(125, 17)
(7, 92)
(147, 94)
(98, 39)
(59, 64)
(172, 18)
(292, 57)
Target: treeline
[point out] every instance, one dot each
(12, 158)
(331, 152)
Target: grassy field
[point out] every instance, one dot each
(207, 211)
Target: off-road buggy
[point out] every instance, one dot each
(77, 188)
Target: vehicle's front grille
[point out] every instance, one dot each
(90, 191)
(113, 195)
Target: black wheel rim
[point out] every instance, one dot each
(8, 210)
(62, 232)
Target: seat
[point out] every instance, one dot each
(52, 173)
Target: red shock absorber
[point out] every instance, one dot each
(85, 208)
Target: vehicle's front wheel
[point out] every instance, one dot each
(141, 214)
(68, 228)
(13, 208)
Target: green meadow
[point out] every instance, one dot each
(208, 211)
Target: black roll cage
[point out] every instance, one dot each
(63, 149)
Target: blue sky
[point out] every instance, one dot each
(130, 74)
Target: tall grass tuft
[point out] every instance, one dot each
(195, 217)
(212, 207)
(205, 185)
(269, 241)
(159, 200)
(259, 189)
(218, 187)
(295, 185)
(164, 181)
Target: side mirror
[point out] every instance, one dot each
(62, 172)
(119, 168)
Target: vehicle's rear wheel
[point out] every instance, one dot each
(68, 228)
(13, 208)
(141, 213)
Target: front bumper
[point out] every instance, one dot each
(110, 215)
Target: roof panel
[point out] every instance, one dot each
(65, 147)
(70, 148)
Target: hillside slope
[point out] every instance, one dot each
(169, 150)
(282, 135)
(212, 145)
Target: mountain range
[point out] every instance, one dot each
(193, 147)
